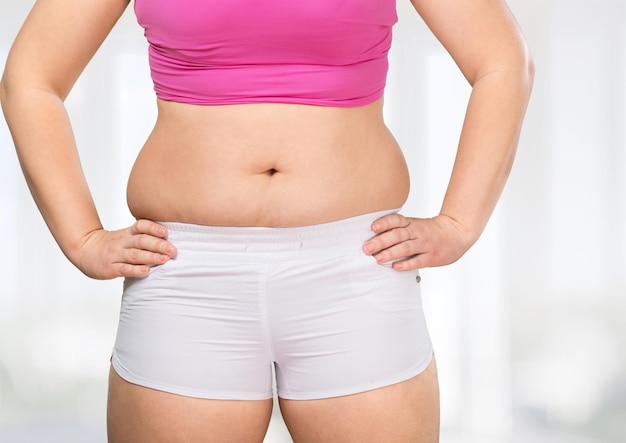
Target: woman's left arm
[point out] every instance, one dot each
(486, 43)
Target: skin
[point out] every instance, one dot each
(266, 165)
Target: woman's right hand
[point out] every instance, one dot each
(129, 252)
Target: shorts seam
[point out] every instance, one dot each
(266, 324)
(176, 390)
(363, 387)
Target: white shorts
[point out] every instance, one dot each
(236, 301)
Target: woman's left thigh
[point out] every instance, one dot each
(403, 412)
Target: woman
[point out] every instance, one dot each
(266, 202)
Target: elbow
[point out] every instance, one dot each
(517, 71)
(513, 62)
(7, 89)
(527, 70)
(6, 95)
(3, 92)
(17, 92)
(522, 64)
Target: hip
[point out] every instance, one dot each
(212, 321)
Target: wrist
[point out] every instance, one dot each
(468, 232)
(74, 247)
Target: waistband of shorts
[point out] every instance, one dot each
(350, 232)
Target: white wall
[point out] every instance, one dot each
(528, 326)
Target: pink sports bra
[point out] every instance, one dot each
(318, 52)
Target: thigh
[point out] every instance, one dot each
(403, 412)
(137, 414)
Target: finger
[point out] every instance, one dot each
(411, 263)
(144, 226)
(150, 243)
(399, 251)
(426, 259)
(387, 239)
(134, 256)
(151, 236)
(128, 270)
(388, 222)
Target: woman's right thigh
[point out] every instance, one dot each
(137, 414)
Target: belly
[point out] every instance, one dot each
(266, 165)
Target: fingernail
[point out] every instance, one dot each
(368, 248)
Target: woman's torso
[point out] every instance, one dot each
(266, 165)
(269, 113)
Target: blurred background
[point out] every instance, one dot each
(529, 327)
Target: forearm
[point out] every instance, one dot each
(56, 42)
(47, 152)
(487, 148)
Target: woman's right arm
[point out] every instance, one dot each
(56, 42)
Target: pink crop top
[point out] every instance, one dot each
(318, 52)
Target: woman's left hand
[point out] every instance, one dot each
(415, 243)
